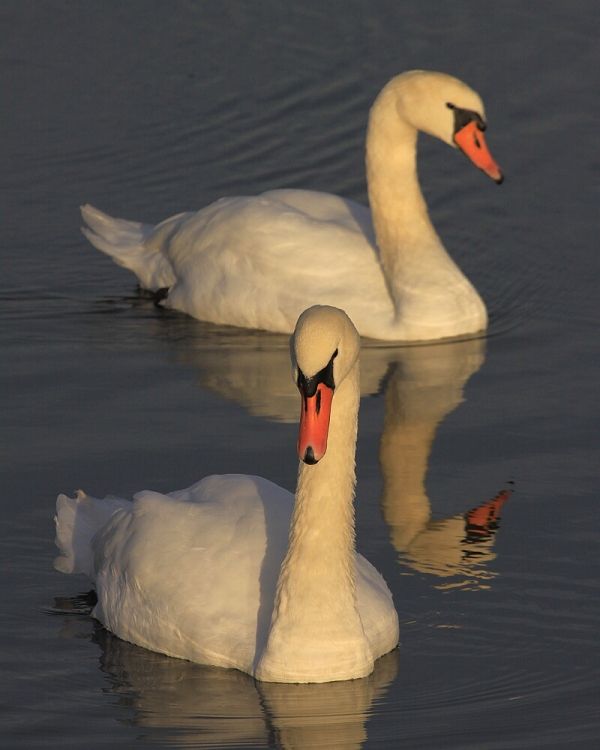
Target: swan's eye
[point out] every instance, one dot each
(462, 117)
(308, 385)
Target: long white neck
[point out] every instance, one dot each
(425, 285)
(316, 633)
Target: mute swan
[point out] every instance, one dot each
(203, 573)
(257, 262)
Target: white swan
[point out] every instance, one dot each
(257, 262)
(203, 573)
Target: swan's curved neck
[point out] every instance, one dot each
(430, 296)
(404, 232)
(316, 630)
(324, 501)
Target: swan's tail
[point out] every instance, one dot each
(127, 244)
(77, 520)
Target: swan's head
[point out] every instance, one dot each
(324, 349)
(448, 109)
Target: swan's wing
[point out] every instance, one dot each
(192, 573)
(258, 262)
(327, 207)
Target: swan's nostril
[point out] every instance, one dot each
(309, 456)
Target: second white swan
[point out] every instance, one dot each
(257, 262)
(234, 571)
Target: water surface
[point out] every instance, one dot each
(147, 109)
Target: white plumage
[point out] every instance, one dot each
(257, 262)
(234, 571)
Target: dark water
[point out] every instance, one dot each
(147, 109)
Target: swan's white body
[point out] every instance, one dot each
(232, 571)
(257, 262)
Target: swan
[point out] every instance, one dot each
(236, 572)
(257, 262)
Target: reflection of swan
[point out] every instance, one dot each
(423, 389)
(204, 706)
(193, 574)
(458, 546)
(328, 716)
(258, 262)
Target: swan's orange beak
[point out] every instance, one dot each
(314, 424)
(482, 520)
(471, 141)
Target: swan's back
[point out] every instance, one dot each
(224, 253)
(193, 573)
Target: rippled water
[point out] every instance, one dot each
(477, 461)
